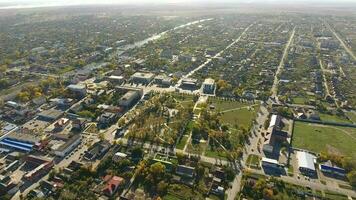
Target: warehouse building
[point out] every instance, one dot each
(306, 163)
(68, 146)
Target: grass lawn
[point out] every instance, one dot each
(185, 100)
(242, 117)
(179, 191)
(352, 116)
(196, 148)
(217, 153)
(333, 118)
(182, 142)
(317, 138)
(299, 100)
(221, 105)
(253, 161)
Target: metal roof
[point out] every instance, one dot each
(305, 160)
(14, 146)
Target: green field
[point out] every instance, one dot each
(333, 118)
(242, 117)
(182, 142)
(318, 138)
(223, 105)
(217, 153)
(352, 116)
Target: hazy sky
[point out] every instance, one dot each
(36, 3)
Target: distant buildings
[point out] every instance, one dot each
(189, 83)
(68, 146)
(97, 150)
(42, 166)
(163, 80)
(79, 90)
(50, 115)
(142, 78)
(116, 79)
(130, 98)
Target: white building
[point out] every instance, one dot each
(306, 162)
(143, 78)
(119, 156)
(208, 86)
(68, 146)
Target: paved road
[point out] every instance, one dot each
(312, 185)
(216, 56)
(281, 65)
(250, 149)
(348, 50)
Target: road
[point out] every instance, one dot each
(312, 185)
(347, 49)
(281, 65)
(324, 78)
(215, 56)
(12, 94)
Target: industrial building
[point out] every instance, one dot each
(306, 163)
(68, 146)
(50, 115)
(330, 169)
(189, 83)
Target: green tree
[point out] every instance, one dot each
(351, 176)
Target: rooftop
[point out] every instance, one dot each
(147, 75)
(51, 113)
(305, 160)
(209, 81)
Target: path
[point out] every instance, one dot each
(211, 59)
(347, 49)
(281, 65)
(239, 108)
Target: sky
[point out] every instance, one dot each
(39, 3)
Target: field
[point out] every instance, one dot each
(241, 117)
(352, 116)
(235, 112)
(333, 118)
(223, 105)
(318, 138)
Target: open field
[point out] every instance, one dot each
(352, 116)
(223, 105)
(333, 118)
(318, 138)
(241, 117)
